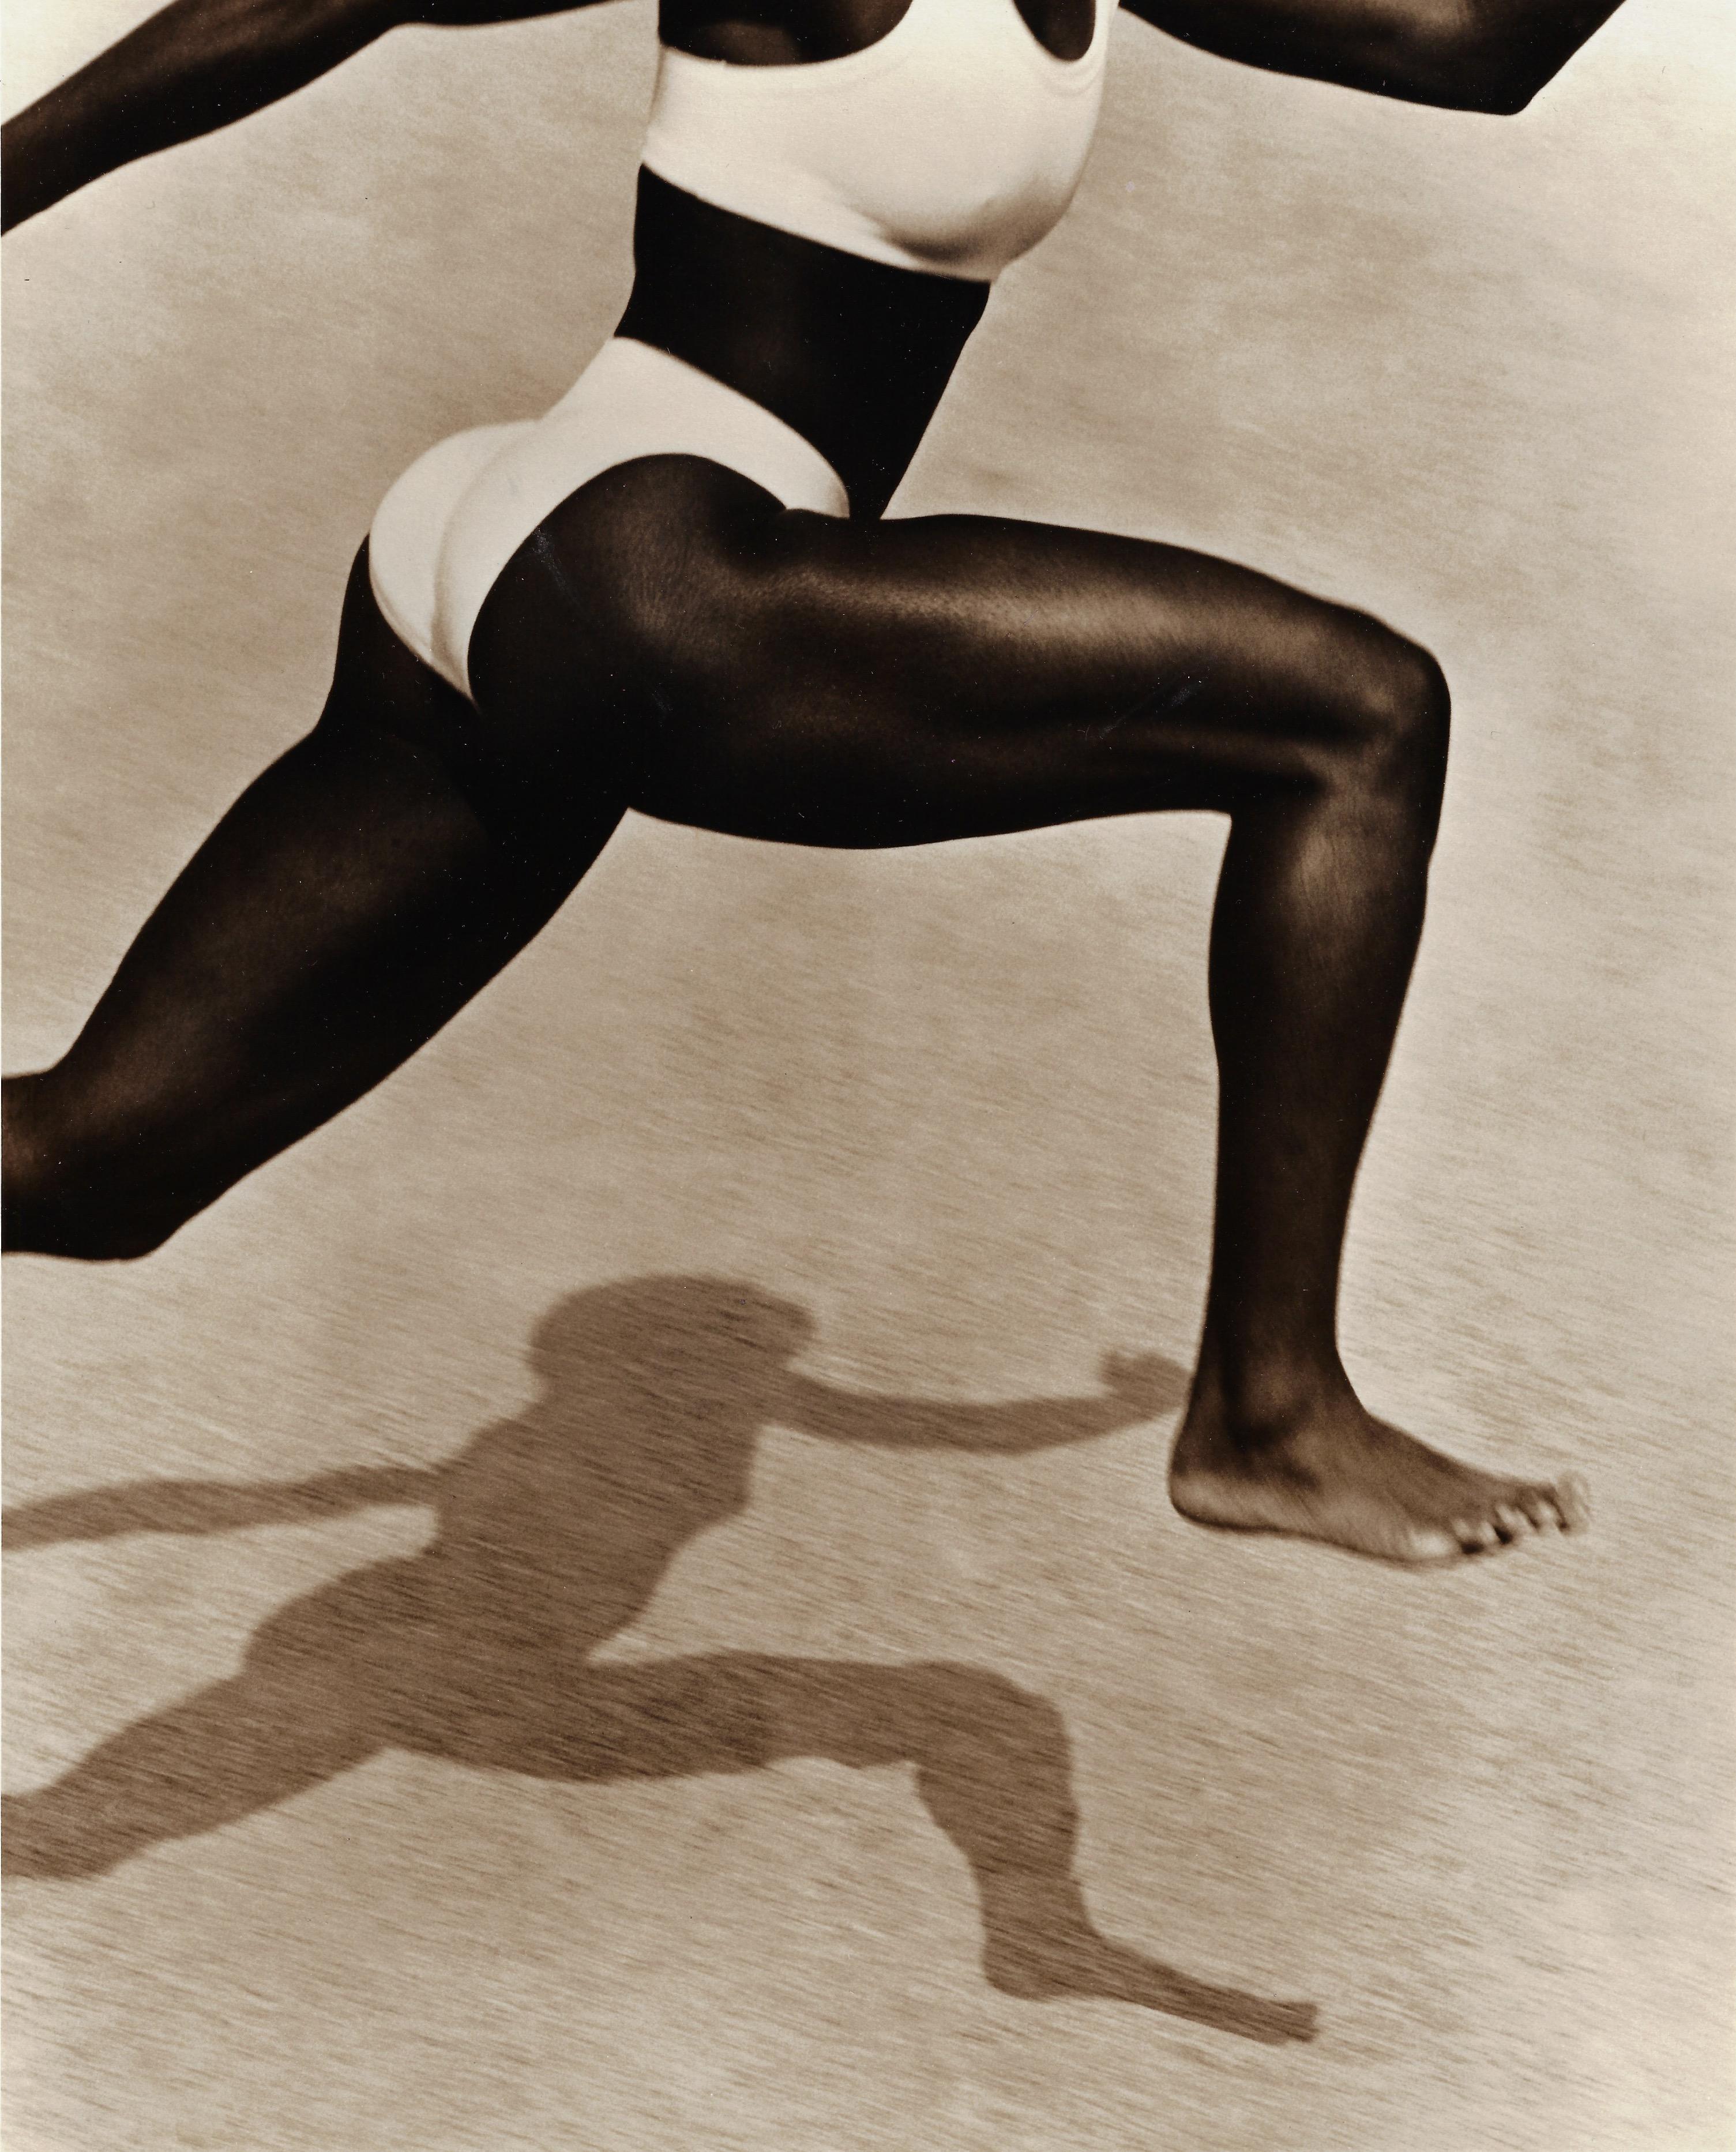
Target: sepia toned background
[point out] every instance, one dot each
(951, 1110)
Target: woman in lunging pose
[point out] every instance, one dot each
(675, 592)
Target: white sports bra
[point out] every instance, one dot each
(951, 144)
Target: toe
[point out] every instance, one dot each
(1573, 1500)
(1475, 1534)
(1512, 1520)
(1431, 1543)
(1539, 1504)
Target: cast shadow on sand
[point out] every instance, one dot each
(553, 1530)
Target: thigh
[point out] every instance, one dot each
(786, 675)
(353, 899)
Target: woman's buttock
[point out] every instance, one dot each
(450, 526)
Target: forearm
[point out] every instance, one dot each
(196, 66)
(197, 1506)
(1479, 55)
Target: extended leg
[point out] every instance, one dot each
(314, 1697)
(349, 903)
(857, 685)
(214, 1758)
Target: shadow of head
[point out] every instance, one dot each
(652, 1392)
(665, 1340)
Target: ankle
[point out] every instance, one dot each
(1251, 1404)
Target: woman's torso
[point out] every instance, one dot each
(829, 187)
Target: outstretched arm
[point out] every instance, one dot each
(1473, 55)
(198, 1506)
(196, 66)
(1137, 1388)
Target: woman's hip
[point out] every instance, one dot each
(446, 530)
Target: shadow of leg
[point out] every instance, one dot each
(992, 1769)
(310, 1702)
(231, 1750)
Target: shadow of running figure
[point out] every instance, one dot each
(554, 1530)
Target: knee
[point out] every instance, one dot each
(994, 1769)
(987, 1714)
(55, 1204)
(91, 1232)
(1395, 716)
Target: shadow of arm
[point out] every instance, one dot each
(1138, 1386)
(193, 1506)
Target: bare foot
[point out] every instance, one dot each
(1335, 1473)
(1040, 1945)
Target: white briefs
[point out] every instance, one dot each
(948, 146)
(458, 513)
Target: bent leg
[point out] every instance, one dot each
(350, 902)
(993, 1770)
(991, 1765)
(780, 675)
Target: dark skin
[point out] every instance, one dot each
(672, 639)
(200, 64)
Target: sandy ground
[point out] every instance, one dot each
(932, 1129)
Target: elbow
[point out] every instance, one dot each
(1503, 98)
(1493, 83)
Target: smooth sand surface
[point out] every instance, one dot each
(940, 1124)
